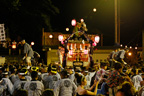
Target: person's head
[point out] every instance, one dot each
(5, 74)
(20, 92)
(21, 74)
(69, 70)
(118, 67)
(64, 74)
(84, 71)
(103, 65)
(128, 89)
(23, 42)
(134, 71)
(13, 70)
(126, 85)
(81, 80)
(96, 66)
(48, 92)
(53, 69)
(34, 75)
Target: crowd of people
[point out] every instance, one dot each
(112, 78)
(54, 80)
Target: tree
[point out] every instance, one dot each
(26, 18)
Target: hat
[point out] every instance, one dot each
(5, 73)
(53, 69)
(23, 70)
(34, 68)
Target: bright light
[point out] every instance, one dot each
(83, 41)
(97, 38)
(14, 46)
(80, 47)
(60, 37)
(67, 29)
(129, 53)
(85, 51)
(50, 36)
(121, 45)
(49, 49)
(82, 20)
(70, 52)
(94, 10)
(73, 22)
(130, 47)
(72, 47)
(135, 47)
(126, 46)
(32, 43)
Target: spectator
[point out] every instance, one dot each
(102, 71)
(115, 79)
(81, 80)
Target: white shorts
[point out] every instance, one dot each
(28, 59)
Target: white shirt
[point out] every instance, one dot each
(136, 80)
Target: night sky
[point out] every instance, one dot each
(102, 21)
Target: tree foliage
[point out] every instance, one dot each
(25, 18)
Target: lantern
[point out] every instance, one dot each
(97, 38)
(50, 36)
(94, 9)
(60, 37)
(14, 46)
(67, 29)
(73, 22)
(129, 53)
(32, 43)
(85, 51)
(82, 20)
(71, 52)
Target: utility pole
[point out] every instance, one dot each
(143, 44)
(117, 21)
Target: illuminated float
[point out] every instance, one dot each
(77, 49)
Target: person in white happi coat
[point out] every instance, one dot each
(65, 86)
(7, 85)
(19, 84)
(50, 80)
(34, 87)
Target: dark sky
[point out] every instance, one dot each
(131, 14)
